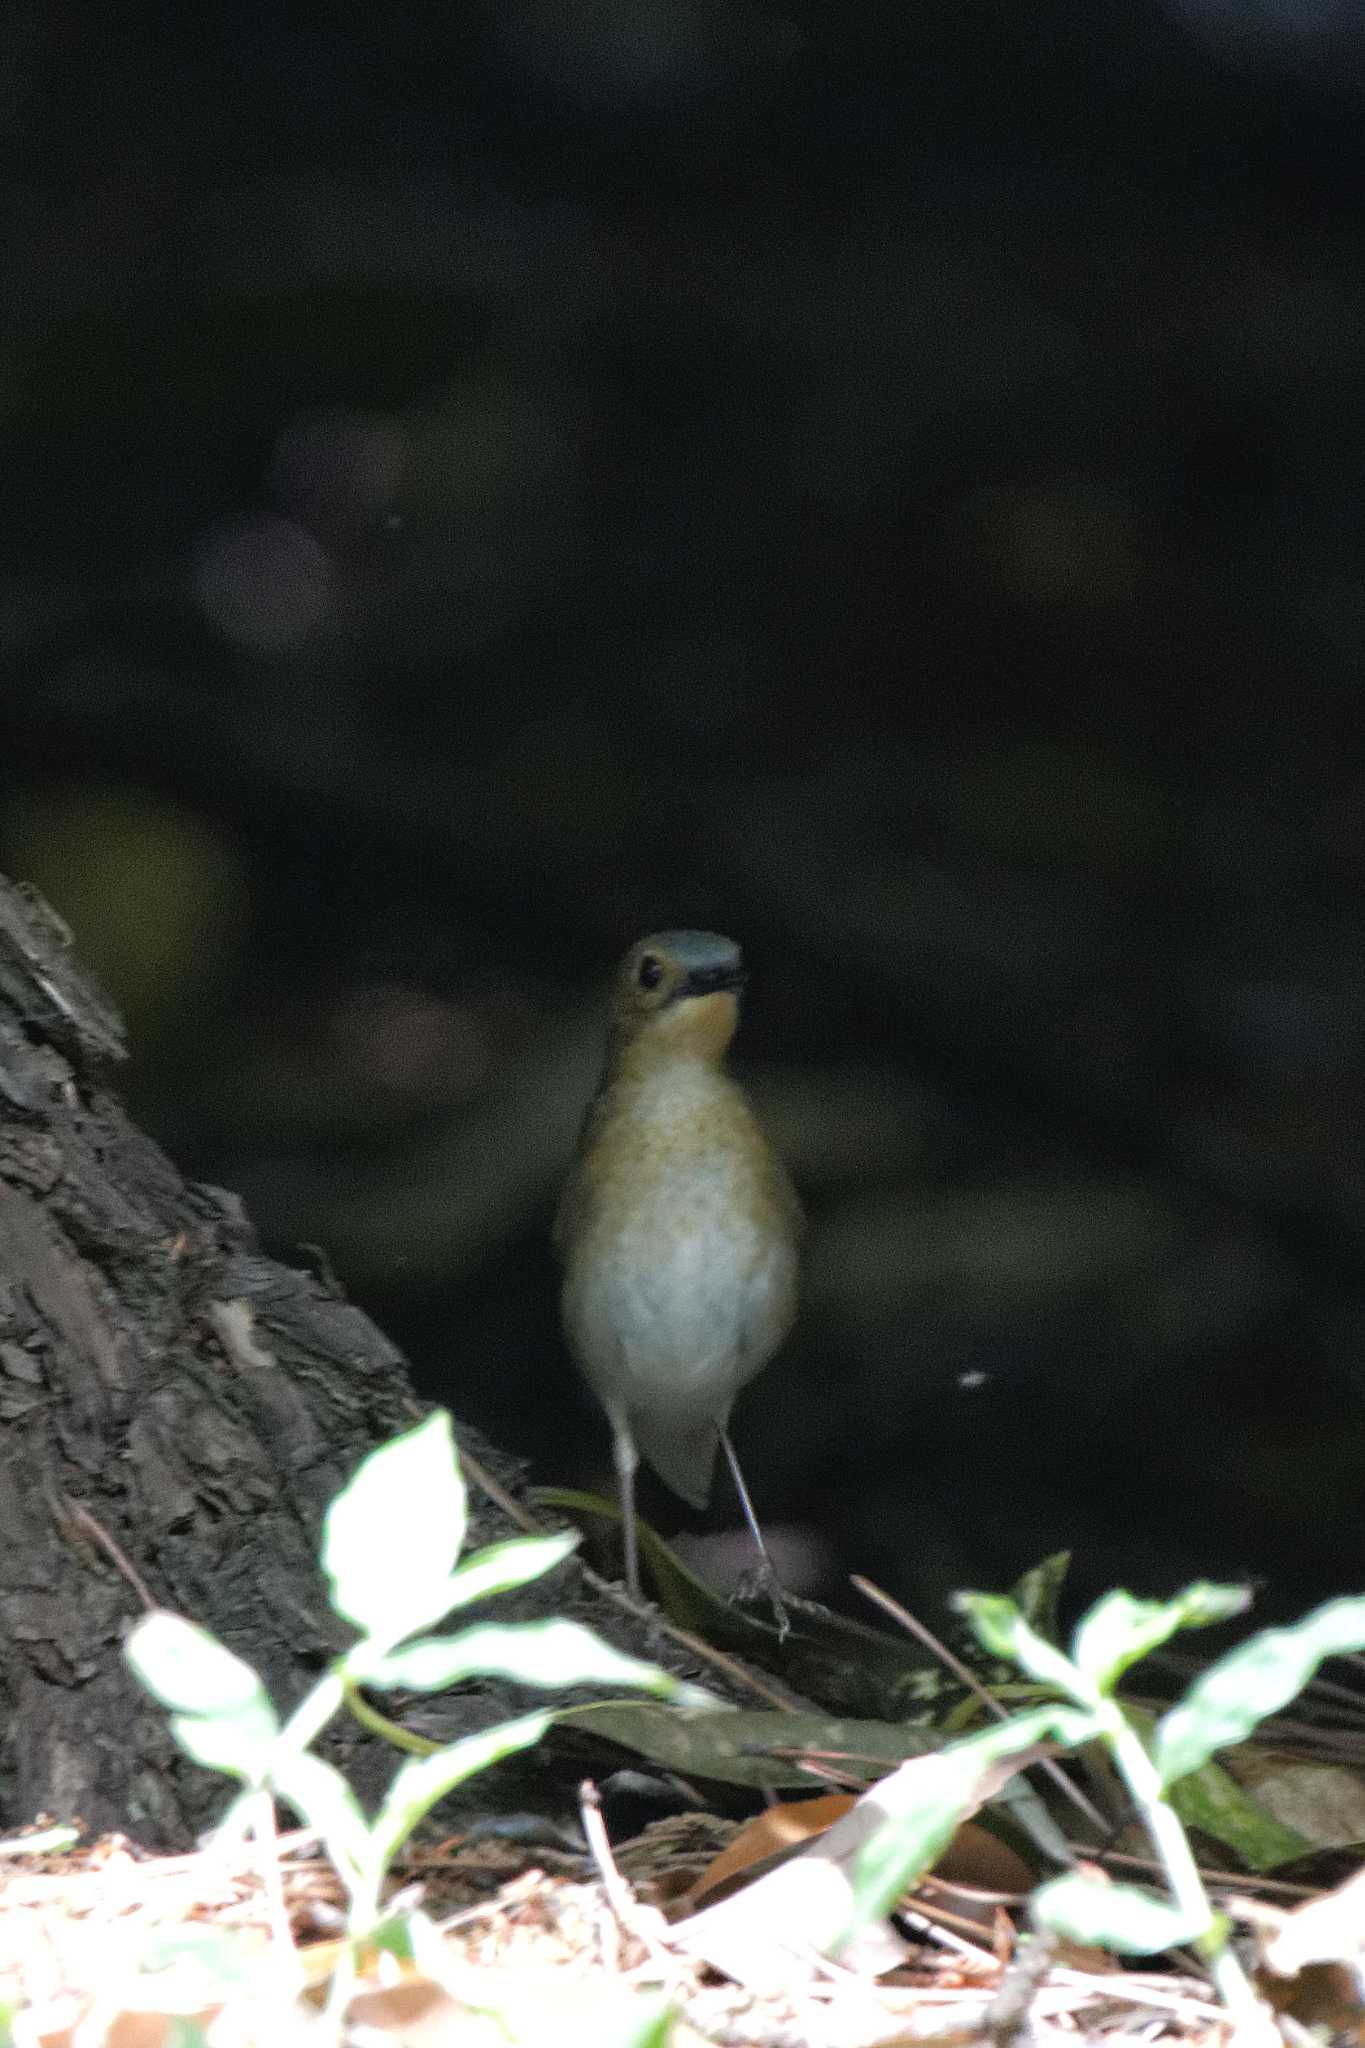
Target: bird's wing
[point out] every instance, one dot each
(575, 1203)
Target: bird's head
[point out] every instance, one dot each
(677, 993)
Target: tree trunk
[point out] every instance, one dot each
(177, 1411)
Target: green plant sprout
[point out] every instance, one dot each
(1221, 1707)
(390, 1543)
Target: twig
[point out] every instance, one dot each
(1131, 1989)
(81, 1514)
(1007, 2015)
(625, 1910)
(595, 1834)
(1242, 1880)
(930, 1919)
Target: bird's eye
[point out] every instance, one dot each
(650, 971)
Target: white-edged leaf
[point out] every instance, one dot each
(926, 1798)
(503, 1566)
(238, 1823)
(554, 1653)
(1251, 1682)
(423, 1780)
(242, 1744)
(499, 1568)
(1113, 1916)
(225, 1959)
(947, 1789)
(391, 1536)
(323, 1800)
(1118, 1630)
(1005, 1633)
(315, 1709)
(189, 1669)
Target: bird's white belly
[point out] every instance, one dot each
(681, 1305)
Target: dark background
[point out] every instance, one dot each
(884, 481)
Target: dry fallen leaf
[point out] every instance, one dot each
(977, 1858)
(1323, 1802)
(776, 1833)
(1312, 1960)
(1328, 1929)
(418, 2013)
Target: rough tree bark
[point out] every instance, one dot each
(176, 1410)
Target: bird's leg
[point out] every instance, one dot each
(627, 1460)
(768, 1578)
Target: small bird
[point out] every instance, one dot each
(677, 1227)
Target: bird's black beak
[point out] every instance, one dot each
(712, 981)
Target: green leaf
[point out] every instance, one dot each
(1211, 1800)
(1037, 1593)
(504, 1566)
(653, 2027)
(421, 1782)
(1005, 1633)
(392, 1535)
(549, 1653)
(1119, 1631)
(1113, 1916)
(189, 1669)
(411, 1936)
(761, 1748)
(1250, 1683)
(42, 1842)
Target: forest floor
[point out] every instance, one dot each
(109, 1945)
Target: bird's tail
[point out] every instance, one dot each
(682, 1453)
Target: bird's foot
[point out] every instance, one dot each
(762, 1583)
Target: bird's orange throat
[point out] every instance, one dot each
(695, 1027)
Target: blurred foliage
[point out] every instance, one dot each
(157, 899)
(883, 482)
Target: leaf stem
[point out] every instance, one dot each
(1177, 1860)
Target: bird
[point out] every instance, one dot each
(678, 1228)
